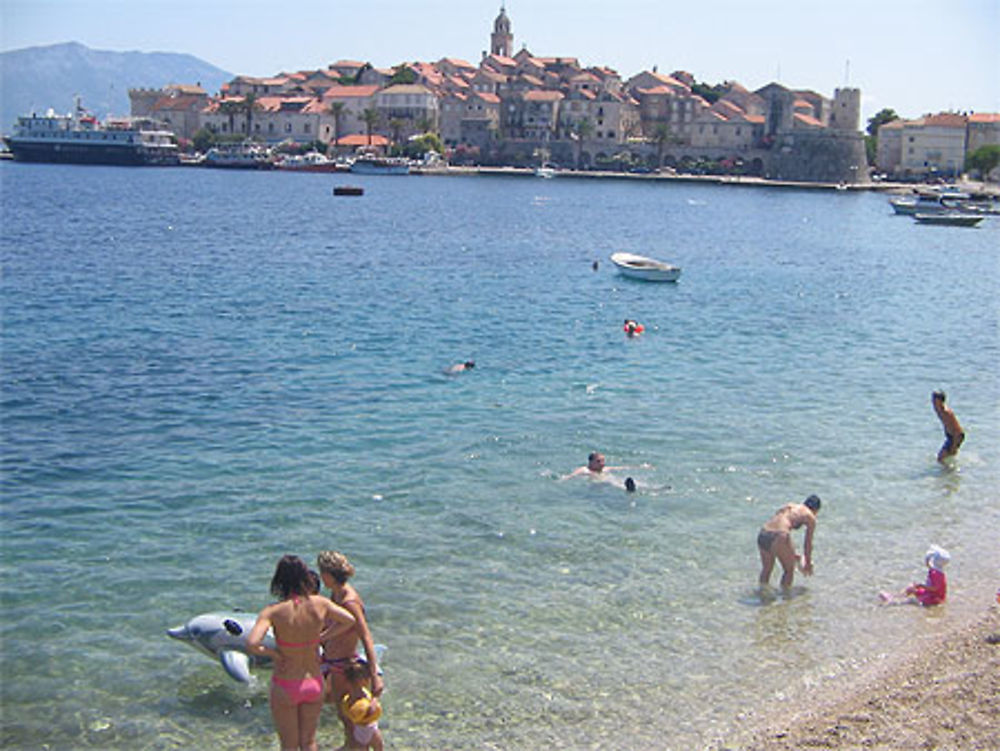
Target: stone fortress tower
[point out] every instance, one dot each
(501, 40)
(845, 114)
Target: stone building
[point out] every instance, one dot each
(412, 107)
(177, 106)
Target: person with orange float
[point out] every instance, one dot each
(633, 328)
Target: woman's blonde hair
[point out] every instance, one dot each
(336, 565)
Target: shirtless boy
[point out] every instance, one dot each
(953, 433)
(775, 540)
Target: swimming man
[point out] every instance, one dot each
(953, 433)
(775, 540)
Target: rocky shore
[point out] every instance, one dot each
(945, 698)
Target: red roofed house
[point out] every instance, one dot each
(984, 130)
(354, 100)
(934, 144)
(178, 106)
(408, 108)
(531, 114)
(471, 118)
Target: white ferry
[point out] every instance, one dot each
(78, 138)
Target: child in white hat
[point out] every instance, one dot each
(935, 589)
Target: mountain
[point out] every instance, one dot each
(35, 79)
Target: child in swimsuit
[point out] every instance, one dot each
(360, 707)
(935, 590)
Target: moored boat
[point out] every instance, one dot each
(348, 190)
(929, 202)
(376, 165)
(311, 162)
(953, 219)
(647, 269)
(78, 138)
(245, 155)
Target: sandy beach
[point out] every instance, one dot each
(946, 698)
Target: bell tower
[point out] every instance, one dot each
(501, 40)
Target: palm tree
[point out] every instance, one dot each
(661, 137)
(230, 107)
(582, 129)
(425, 124)
(248, 107)
(337, 110)
(371, 118)
(396, 126)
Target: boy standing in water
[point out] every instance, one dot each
(953, 433)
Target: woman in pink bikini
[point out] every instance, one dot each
(298, 620)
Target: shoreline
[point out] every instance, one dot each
(746, 181)
(944, 695)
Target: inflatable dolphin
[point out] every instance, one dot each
(224, 636)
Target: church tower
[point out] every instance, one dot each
(501, 40)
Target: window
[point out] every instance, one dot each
(305, 128)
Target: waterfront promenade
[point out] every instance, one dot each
(743, 180)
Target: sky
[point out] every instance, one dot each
(913, 56)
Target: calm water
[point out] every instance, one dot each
(204, 370)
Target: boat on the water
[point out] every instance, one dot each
(311, 162)
(244, 155)
(348, 190)
(378, 165)
(929, 202)
(647, 269)
(78, 138)
(952, 219)
(545, 172)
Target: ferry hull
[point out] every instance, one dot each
(71, 153)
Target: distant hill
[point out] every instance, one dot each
(36, 79)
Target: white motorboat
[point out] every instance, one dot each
(929, 202)
(647, 269)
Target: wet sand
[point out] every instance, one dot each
(945, 698)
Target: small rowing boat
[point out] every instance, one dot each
(648, 269)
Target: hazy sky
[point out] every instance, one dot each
(915, 56)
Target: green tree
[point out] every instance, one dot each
(422, 144)
(402, 74)
(984, 159)
(249, 107)
(337, 110)
(203, 140)
(876, 121)
(396, 126)
(371, 118)
(230, 107)
(710, 94)
(580, 132)
(661, 137)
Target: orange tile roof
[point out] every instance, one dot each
(486, 97)
(945, 120)
(657, 91)
(984, 117)
(361, 139)
(543, 96)
(807, 120)
(350, 92)
(458, 62)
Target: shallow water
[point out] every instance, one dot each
(204, 370)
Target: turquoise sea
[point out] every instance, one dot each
(204, 370)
